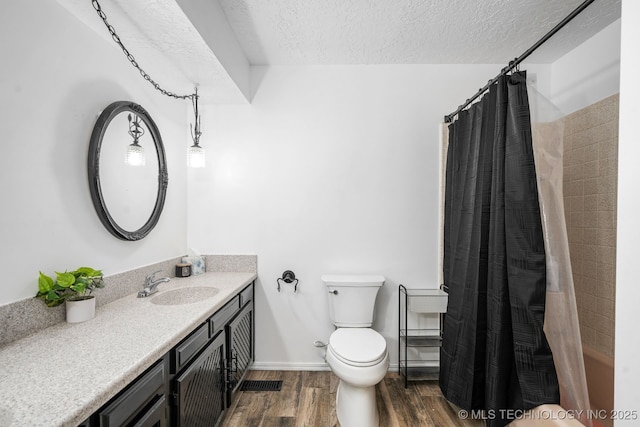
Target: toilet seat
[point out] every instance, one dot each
(358, 346)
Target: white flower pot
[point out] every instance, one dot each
(81, 310)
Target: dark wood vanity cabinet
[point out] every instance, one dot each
(204, 388)
(193, 383)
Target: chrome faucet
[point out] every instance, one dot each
(151, 284)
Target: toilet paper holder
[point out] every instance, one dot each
(288, 277)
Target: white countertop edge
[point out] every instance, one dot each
(63, 374)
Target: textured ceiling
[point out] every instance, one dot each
(408, 31)
(180, 53)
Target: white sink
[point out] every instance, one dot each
(183, 296)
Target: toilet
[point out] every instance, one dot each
(355, 353)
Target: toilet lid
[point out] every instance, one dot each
(358, 346)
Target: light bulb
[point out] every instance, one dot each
(135, 155)
(195, 156)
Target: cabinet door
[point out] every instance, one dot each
(200, 389)
(142, 400)
(155, 416)
(240, 333)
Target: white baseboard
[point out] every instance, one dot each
(284, 366)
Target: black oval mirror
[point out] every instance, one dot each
(128, 198)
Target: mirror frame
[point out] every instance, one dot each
(93, 163)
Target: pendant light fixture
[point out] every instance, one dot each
(135, 152)
(195, 153)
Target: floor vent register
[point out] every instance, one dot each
(261, 385)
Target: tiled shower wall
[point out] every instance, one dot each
(590, 192)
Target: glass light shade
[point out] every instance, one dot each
(135, 155)
(195, 156)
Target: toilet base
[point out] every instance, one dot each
(356, 406)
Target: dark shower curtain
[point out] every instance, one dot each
(495, 356)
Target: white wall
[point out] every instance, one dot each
(627, 371)
(56, 77)
(589, 73)
(332, 169)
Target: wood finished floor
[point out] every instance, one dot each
(308, 399)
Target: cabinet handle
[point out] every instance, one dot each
(224, 375)
(335, 292)
(233, 365)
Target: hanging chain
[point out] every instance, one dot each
(195, 128)
(130, 57)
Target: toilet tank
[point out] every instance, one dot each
(352, 299)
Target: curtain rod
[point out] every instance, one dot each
(513, 64)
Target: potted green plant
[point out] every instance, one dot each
(74, 288)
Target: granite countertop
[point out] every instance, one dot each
(63, 374)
